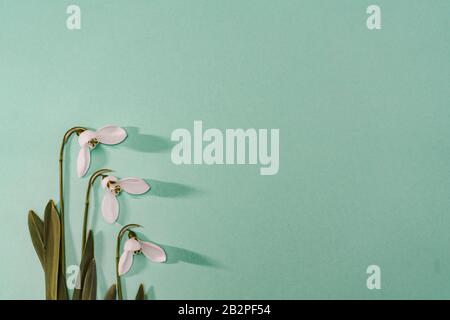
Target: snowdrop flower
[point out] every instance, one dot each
(134, 246)
(88, 140)
(113, 187)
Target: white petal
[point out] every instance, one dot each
(132, 245)
(107, 179)
(110, 207)
(125, 262)
(134, 185)
(83, 161)
(85, 136)
(111, 135)
(153, 252)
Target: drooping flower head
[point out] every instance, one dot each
(113, 187)
(89, 139)
(133, 246)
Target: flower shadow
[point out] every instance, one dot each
(177, 255)
(166, 189)
(150, 294)
(146, 142)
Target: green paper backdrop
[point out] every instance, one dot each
(364, 142)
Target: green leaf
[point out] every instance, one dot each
(52, 236)
(90, 283)
(62, 287)
(76, 294)
(36, 228)
(140, 294)
(111, 293)
(88, 255)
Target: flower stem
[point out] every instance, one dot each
(94, 176)
(119, 239)
(62, 254)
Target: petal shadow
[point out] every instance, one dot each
(150, 294)
(166, 189)
(176, 255)
(146, 142)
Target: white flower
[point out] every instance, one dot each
(88, 140)
(113, 187)
(133, 247)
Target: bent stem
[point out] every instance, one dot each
(78, 131)
(119, 239)
(94, 176)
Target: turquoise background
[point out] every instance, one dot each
(364, 142)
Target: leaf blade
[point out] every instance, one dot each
(62, 285)
(111, 293)
(90, 283)
(36, 228)
(88, 255)
(52, 236)
(140, 294)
